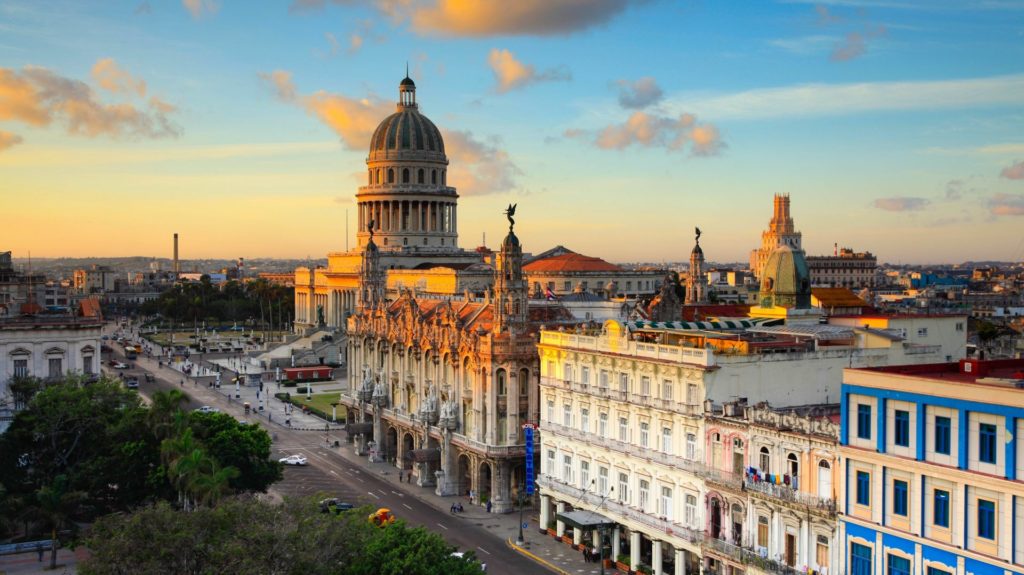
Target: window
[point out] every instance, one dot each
(602, 480)
(822, 552)
(623, 428)
(863, 421)
(567, 415)
(420, 176)
(551, 411)
(55, 367)
(959, 326)
(691, 446)
(551, 462)
(942, 435)
(899, 497)
(433, 177)
(502, 383)
(568, 286)
(405, 176)
(986, 519)
(623, 382)
(567, 373)
(762, 531)
(902, 428)
(898, 565)
(863, 488)
(860, 559)
(691, 394)
(21, 368)
(87, 364)
(585, 474)
(666, 390)
(666, 439)
(936, 570)
(665, 503)
(793, 466)
(391, 175)
(645, 386)
(645, 429)
(645, 488)
(691, 510)
(585, 376)
(567, 469)
(922, 332)
(765, 460)
(585, 420)
(987, 443)
(603, 380)
(624, 487)
(940, 508)
(602, 424)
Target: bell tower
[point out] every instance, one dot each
(696, 281)
(511, 291)
(371, 278)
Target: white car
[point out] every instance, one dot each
(293, 460)
(119, 365)
(208, 409)
(462, 555)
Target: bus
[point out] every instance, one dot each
(131, 352)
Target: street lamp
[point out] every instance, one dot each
(519, 539)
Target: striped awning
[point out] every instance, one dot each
(717, 324)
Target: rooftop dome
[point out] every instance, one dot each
(786, 280)
(407, 134)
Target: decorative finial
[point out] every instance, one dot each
(511, 211)
(698, 235)
(406, 68)
(369, 227)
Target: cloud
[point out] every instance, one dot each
(200, 8)
(954, 189)
(904, 204)
(851, 47)
(9, 140)
(519, 18)
(652, 130)
(333, 42)
(639, 94)
(804, 45)
(111, 77)
(143, 8)
(1006, 205)
(825, 17)
(38, 97)
(352, 120)
(1014, 172)
(815, 100)
(512, 74)
(478, 167)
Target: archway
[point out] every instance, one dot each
(483, 483)
(408, 444)
(463, 478)
(716, 519)
(824, 480)
(433, 466)
(391, 443)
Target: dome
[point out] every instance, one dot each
(510, 242)
(697, 251)
(407, 132)
(786, 279)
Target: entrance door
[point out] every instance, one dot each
(790, 549)
(737, 463)
(824, 480)
(716, 519)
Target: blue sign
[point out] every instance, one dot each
(528, 436)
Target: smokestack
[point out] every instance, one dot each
(177, 270)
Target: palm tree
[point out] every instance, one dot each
(172, 451)
(164, 414)
(55, 503)
(213, 485)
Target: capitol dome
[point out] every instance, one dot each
(407, 133)
(786, 279)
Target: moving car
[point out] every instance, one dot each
(334, 504)
(208, 409)
(119, 365)
(131, 382)
(462, 555)
(293, 460)
(382, 517)
(150, 378)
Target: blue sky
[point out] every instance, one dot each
(617, 126)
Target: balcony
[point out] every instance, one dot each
(692, 410)
(672, 353)
(788, 494)
(748, 556)
(694, 467)
(620, 511)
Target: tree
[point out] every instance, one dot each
(165, 413)
(245, 447)
(55, 503)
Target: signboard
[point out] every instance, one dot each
(528, 436)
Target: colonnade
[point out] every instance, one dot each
(410, 216)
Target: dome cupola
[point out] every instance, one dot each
(786, 279)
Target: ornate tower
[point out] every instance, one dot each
(371, 278)
(407, 194)
(696, 281)
(511, 291)
(780, 232)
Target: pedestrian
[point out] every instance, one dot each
(399, 475)
(488, 505)
(453, 508)
(586, 554)
(40, 549)
(459, 507)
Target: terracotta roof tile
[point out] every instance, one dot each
(571, 263)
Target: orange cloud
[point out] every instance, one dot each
(111, 77)
(521, 17)
(1006, 205)
(902, 204)
(38, 97)
(200, 8)
(1014, 172)
(478, 167)
(9, 140)
(651, 130)
(639, 94)
(512, 74)
(855, 44)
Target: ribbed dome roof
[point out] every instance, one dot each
(407, 130)
(786, 279)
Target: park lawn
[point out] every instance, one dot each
(321, 401)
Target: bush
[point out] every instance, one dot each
(622, 558)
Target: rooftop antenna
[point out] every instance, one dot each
(406, 68)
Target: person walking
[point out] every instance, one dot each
(488, 505)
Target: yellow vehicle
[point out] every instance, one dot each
(382, 517)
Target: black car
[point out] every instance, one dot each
(334, 504)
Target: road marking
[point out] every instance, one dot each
(395, 492)
(334, 472)
(442, 527)
(382, 491)
(484, 550)
(374, 494)
(407, 507)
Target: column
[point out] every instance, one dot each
(595, 539)
(680, 562)
(414, 214)
(616, 546)
(656, 557)
(803, 551)
(545, 512)
(634, 550)
(577, 536)
(559, 524)
(455, 218)
(1010, 460)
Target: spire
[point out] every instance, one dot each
(371, 278)
(511, 292)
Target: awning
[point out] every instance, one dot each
(423, 455)
(584, 519)
(357, 428)
(717, 324)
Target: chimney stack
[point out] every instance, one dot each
(177, 270)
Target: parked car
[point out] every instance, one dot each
(462, 555)
(293, 460)
(334, 504)
(208, 409)
(131, 382)
(382, 517)
(119, 365)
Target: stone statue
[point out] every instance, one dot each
(697, 239)
(430, 401)
(511, 211)
(380, 390)
(367, 379)
(369, 227)
(320, 315)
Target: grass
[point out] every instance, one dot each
(321, 402)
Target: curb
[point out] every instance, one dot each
(536, 559)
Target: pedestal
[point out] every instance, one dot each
(361, 445)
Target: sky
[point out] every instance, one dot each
(617, 126)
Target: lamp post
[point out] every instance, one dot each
(519, 539)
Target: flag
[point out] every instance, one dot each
(549, 294)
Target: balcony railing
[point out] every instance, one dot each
(625, 346)
(619, 511)
(786, 493)
(749, 556)
(693, 410)
(693, 466)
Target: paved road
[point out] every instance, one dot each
(332, 474)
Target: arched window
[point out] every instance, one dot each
(793, 465)
(405, 241)
(765, 460)
(405, 175)
(524, 381)
(433, 177)
(500, 382)
(391, 175)
(419, 177)
(424, 241)
(385, 241)
(378, 175)
(369, 178)
(444, 178)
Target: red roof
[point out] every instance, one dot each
(571, 263)
(691, 312)
(997, 368)
(90, 307)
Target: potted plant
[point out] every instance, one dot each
(552, 528)
(645, 569)
(622, 562)
(566, 538)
